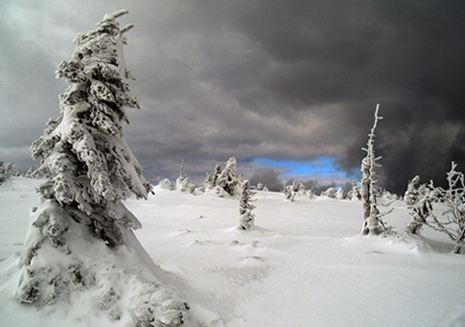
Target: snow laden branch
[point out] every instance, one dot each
(372, 218)
(81, 237)
(452, 221)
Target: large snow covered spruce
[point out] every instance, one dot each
(80, 239)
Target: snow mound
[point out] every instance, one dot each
(122, 284)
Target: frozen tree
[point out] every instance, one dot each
(211, 181)
(228, 180)
(208, 183)
(354, 193)
(216, 175)
(182, 182)
(452, 221)
(30, 172)
(260, 186)
(419, 201)
(372, 221)
(411, 194)
(90, 170)
(246, 220)
(290, 191)
(165, 184)
(5, 171)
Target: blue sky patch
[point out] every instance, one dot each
(320, 168)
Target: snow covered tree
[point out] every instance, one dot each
(354, 193)
(30, 172)
(90, 170)
(372, 221)
(419, 201)
(216, 175)
(5, 171)
(452, 221)
(208, 183)
(411, 194)
(211, 180)
(246, 220)
(165, 184)
(290, 191)
(183, 183)
(228, 180)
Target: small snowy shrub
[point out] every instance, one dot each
(246, 220)
(333, 193)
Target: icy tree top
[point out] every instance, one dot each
(83, 151)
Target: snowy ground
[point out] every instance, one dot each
(304, 265)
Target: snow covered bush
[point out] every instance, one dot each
(81, 236)
(452, 221)
(246, 220)
(5, 171)
(333, 193)
(372, 221)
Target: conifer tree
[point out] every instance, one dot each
(246, 220)
(354, 193)
(290, 191)
(90, 170)
(228, 180)
(372, 222)
(30, 172)
(419, 201)
(5, 171)
(216, 175)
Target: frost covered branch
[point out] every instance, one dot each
(452, 221)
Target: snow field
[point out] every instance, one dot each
(304, 264)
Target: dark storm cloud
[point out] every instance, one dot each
(274, 79)
(268, 177)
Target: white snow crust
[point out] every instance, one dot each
(304, 264)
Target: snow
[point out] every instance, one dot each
(304, 264)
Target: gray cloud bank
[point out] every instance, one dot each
(278, 79)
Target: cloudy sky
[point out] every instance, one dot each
(287, 87)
